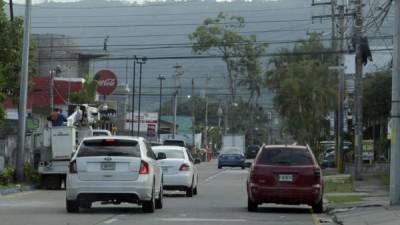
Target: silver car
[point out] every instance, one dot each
(113, 170)
(179, 170)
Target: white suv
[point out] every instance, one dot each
(113, 170)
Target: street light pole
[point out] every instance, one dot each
(133, 94)
(206, 114)
(141, 62)
(177, 67)
(395, 120)
(23, 94)
(160, 78)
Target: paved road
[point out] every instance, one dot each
(221, 200)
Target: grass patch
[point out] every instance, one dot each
(344, 198)
(384, 177)
(345, 185)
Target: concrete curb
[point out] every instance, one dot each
(9, 191)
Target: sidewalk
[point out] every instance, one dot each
(373, 209)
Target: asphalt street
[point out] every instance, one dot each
(222, 200)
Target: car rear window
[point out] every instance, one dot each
(174, 143)
(172, 154)
(231, 151)
(109, 147)
(285, 156)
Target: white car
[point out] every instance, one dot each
(179, 171)
(98, 132)
(113, 170)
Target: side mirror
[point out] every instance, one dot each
(161, 155)
(197, 161)
(248, 164)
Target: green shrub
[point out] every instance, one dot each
(7, 175)
(31, 176)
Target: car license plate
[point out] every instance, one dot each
(285, 177)
(107, 166)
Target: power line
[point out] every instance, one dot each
(164, 25)
(170, 14)
(189, 45)
(181, 57)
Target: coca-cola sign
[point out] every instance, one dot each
(106, 82)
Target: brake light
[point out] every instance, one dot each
(184, 167)
(144, 168)
(72, 167)
(317, 172)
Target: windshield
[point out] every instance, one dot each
(171, 154)
(285, 156)
(109, 147)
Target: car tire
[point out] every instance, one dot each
(251, 206)
(85, 205)
(149, 206)
(189, 190)
(159, 201)
(243, 167)
(318, 207)
(72, 206)
(195, 190)
(219, 167)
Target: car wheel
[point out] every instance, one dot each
(72, 206)
(85, 205)
(189, 190)
(243, 167)
(195, 190)
(159, 201)
(318, 207)
(219, 167)
(149, 206)
(251, 206)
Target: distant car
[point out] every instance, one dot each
(231, 157)
(252, 151)
(179, 171)
(114, 170)
(285, 175)
(98, 132)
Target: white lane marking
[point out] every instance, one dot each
(229, 171)
(200, 220)
(110, 221)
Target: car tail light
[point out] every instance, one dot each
(144, 168)
(184, 167)
(317, 172)
(72, 167)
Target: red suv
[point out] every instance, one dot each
(285, 174)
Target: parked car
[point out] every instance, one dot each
(179, 170)
(99, 132)
(285, 175)
(114, 170)
(231, 157)
(251, 151)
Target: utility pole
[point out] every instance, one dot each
(333, 21)
(23, 94)
(206, 114)
(11, 10)
(341, 90)
(358, 130)
(160, 78)
(193, 115)
(51, 89)
(133, 94)
(141, 62)
(395, 120)
(177, 67)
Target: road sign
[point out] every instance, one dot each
(106, 82)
